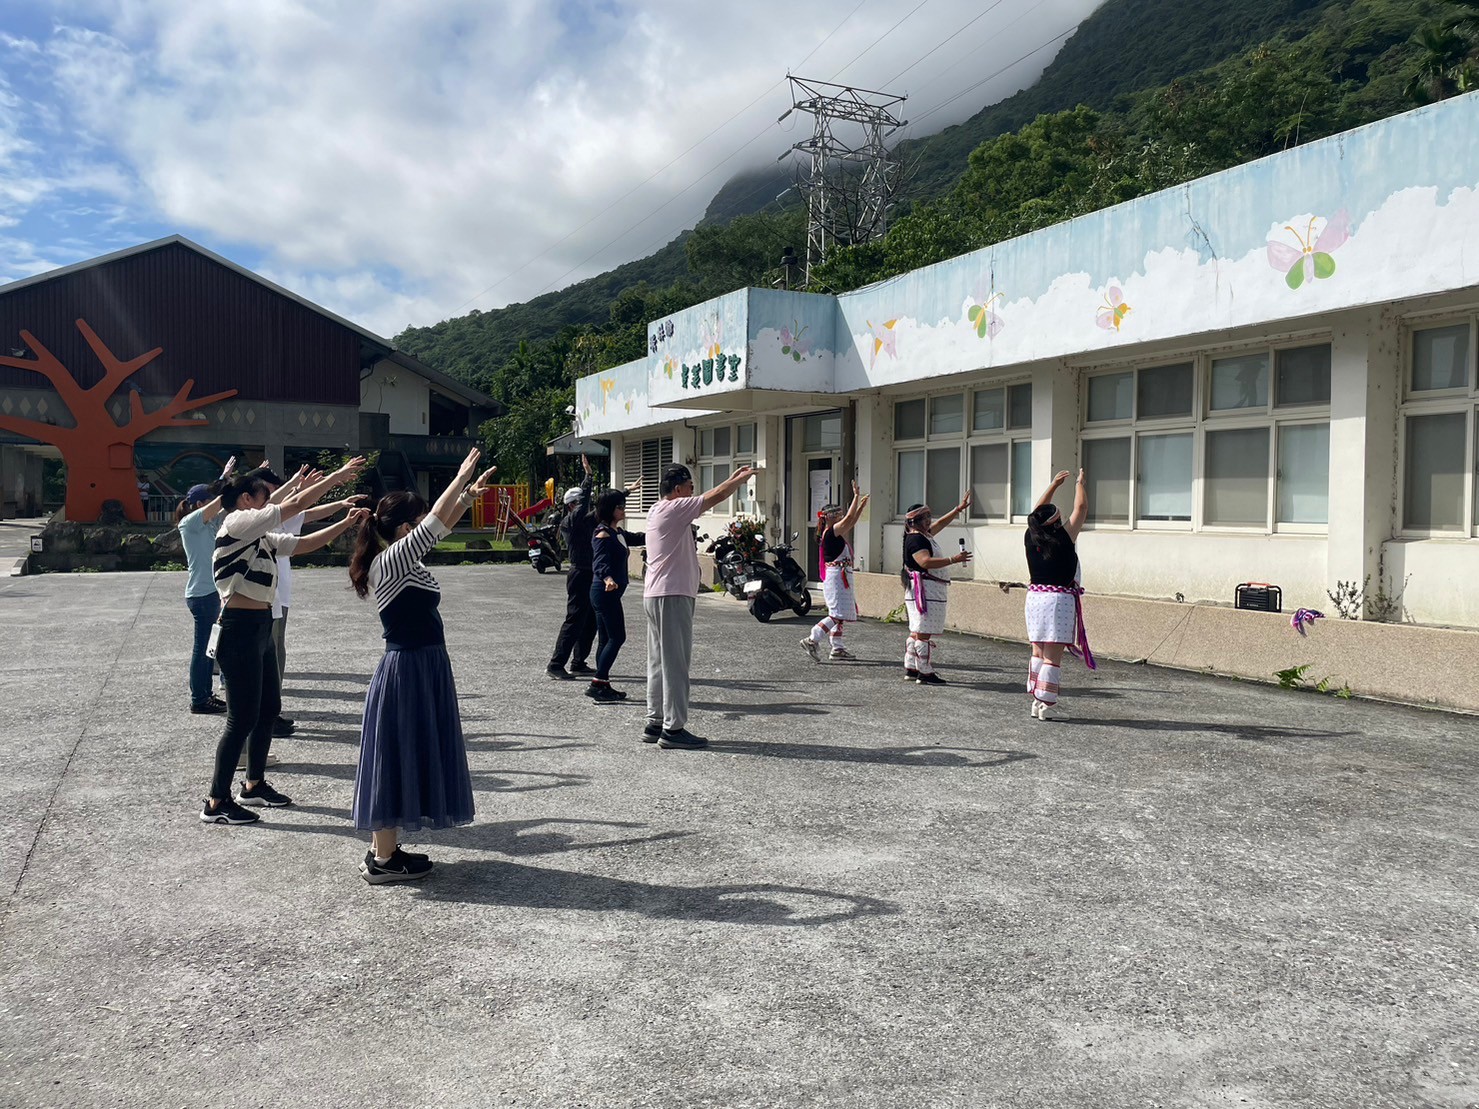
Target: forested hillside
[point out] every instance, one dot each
(1146, 94)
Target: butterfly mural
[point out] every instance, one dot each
(670, 366)
(793, 344)
(1113, 311)
(1312, 261)
(987, 323)
(884, 339)
(607, 384)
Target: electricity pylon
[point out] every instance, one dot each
(850, 186)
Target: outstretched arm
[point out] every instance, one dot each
(728, 486)
(1052, 489)
(854, 512)
(320, 539)
(458, 496)
(324, 511)
(1080, 507)
(944, 521)
(312, 492)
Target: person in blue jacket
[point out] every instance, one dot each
(610, 543)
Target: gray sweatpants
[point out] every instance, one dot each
(669, 652)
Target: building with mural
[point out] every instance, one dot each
(91, 355)
(1268, 375)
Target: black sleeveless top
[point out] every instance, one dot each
(1052, 564)
(832, 546)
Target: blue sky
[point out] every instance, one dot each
(401, 163)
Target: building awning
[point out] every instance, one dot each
(573, 444)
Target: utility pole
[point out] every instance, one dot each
(850, 186)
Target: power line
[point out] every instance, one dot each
(982, 15)
(657, 173)
(879, 39)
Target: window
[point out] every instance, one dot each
(645, 459)
(1440, 476)
(718, 458)
(979, 440)
(1237, 478)
(1260, 455)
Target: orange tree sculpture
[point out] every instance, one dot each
(99, 454)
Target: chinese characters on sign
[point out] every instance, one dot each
(710, 370)
(661, 334)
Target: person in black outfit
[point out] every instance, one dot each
(579, 629)
(1055, 621)
(611, 543)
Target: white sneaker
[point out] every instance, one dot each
(809, 645)
(272, 760)
(842, 653)
(1047, 712)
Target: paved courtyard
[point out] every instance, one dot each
(1190, 892)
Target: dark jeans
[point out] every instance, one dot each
(205, 609)
(578, 631)
(612, 622)
(248, 661)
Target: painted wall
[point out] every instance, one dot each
(616, 400)
(402, 395)
(700, 351)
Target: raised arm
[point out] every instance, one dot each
(728, 486)
(307, 544)
(289, 487)
(944, 521)
(854, 512)
(1052, 489)
(324, 511)
(311, 493)
(1080, 507)
(458, 496)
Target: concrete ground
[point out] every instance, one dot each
(1189, 892)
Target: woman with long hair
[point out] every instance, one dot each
(924, 589)
(1055, 618)
(610, 543)
(834, 552)
(412, 760)
(245, 566)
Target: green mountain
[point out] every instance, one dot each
(1145, 95)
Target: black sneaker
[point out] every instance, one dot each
(400, 867)
(682, 738)
(582, 668)
(557, 672)
(602, 693)
(931, 679)
(910, 675)
(282, 727)
(226, 812)
(211, 707)
(652, 733)
(262, 794)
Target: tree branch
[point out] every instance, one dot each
(117, 372)
(47, 365)
(141, 423)
(35, 429)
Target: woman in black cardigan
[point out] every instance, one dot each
(610, 544)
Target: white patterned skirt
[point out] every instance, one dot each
(1051, 618)
(929, 622)
(841, 603)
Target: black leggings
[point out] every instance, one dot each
(248, 661)
(611, 621)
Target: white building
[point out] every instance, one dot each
(1268, 374)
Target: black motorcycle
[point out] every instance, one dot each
(772, 587)
(544, 548)
(731, 567)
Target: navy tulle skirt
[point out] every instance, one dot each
(412, 760)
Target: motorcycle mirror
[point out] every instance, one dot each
(794, 536)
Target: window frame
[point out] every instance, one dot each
(964, 441)
(1200, 421)
(735, 459)
(1440, 402)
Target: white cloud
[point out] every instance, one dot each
(394, 159)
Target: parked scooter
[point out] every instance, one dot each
(544, 548)
(772, 587)
(730, 566)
